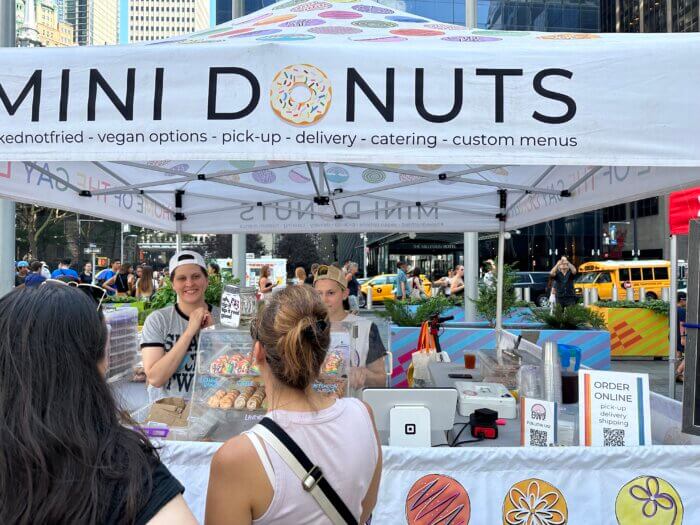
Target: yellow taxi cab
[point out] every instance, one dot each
(653, 276)
(383, 288)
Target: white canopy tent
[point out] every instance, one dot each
(350, 116)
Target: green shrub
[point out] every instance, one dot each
(656, 305)
(573, 317)
(486, 304)
(399, 313)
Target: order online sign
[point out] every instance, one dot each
(614, 409)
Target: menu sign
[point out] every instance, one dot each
(230, 309)
(614, 409)
(538, 422)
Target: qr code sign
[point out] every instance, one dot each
(538, 438)
(613, 437)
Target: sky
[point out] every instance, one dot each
(124, 19)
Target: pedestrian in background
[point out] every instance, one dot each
(65, 273)
(122, 283)
(36, 276)
(300, 275)
(401, 288)
(353, 288)
(86, 276)
(146, 285)
(457, 284)
(681, 336)
(563, 275)
(312, 275)
(22, 272)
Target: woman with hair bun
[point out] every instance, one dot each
(249, 482)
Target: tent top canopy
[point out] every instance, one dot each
(350, 116)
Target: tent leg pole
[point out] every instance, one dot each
(178, 241)
(7, 246)
(499, 289)
(673, 319)
(7, 208)
(471, 275)
(238, 257)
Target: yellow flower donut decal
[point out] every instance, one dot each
(301, 94)
(648, 500)
(534, 502)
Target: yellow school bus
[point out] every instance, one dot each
(653, 276)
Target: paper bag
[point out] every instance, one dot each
(171, 411)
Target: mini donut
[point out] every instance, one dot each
(309, 111)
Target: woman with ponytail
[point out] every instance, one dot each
(249, 482)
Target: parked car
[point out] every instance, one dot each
(383, 288)
(537, 283)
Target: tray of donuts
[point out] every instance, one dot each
(242, 398)
(232, 365)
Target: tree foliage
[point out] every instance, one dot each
(299, 250)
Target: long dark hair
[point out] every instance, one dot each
(64, 455)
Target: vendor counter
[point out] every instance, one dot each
(497, 482)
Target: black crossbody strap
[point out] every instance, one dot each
(311, 476)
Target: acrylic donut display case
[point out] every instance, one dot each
(229, 395)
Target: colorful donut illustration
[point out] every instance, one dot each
(374, 176)
(301, 112)
(297, 177)
(436, 499)
(534, 501)
(264, 176)
(337, 174)
(648, 500)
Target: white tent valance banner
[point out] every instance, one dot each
(298, 197)
(350, 82)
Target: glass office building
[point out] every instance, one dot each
(639, 16)
(522, 15)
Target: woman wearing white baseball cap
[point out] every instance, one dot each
(171, 335)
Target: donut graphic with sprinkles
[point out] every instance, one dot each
(437, 499)
(374, 176)
(300, 94)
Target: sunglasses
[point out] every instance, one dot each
(96, 293)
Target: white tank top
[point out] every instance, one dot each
(341, 441)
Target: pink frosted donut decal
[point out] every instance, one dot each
(340, 15)
(416, 32)
(471, 38)
(304, 22)
(335, 30)
(374, 9)
(380, 39)
(311, 6)
(259, 32)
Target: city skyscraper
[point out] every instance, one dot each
(96, 22)
(159, 19)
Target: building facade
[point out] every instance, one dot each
(658, 16)
(95, 22)
(52, 31)
(224, 11)
(159, 19)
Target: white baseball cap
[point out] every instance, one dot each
(186, 257)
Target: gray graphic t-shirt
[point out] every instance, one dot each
(163, 328)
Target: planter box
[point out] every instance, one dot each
(594, 345)
(519, 316)
(636, 332)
